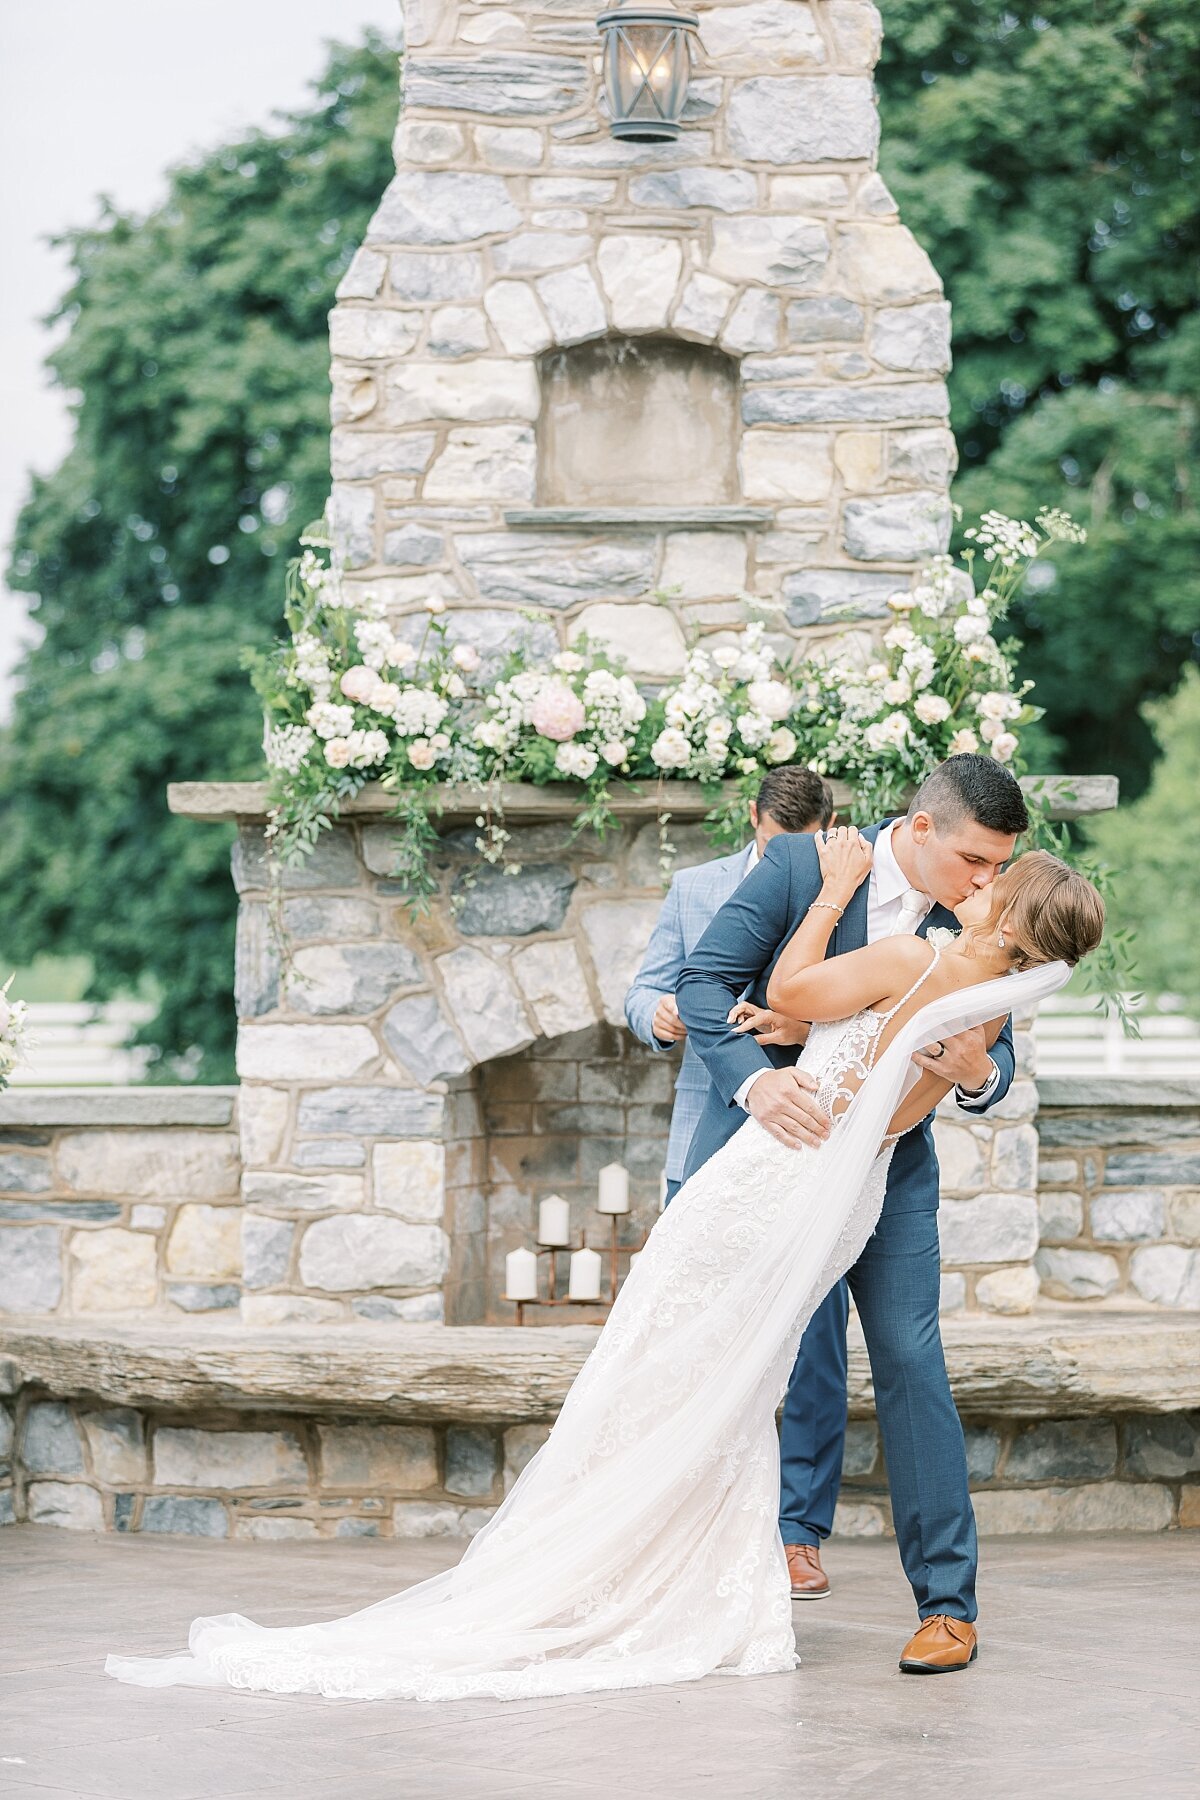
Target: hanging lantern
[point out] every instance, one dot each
(647, 65)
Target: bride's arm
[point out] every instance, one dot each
(930, 1090)
(803, 984)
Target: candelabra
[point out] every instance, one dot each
(522, 1276)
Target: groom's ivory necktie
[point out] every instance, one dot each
(913, 908)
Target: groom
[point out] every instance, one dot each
(960, 830)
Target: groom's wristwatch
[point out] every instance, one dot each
(973, 1096)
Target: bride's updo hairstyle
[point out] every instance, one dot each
(1050, 912)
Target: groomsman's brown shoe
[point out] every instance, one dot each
(941, 1646)
(809, 1580)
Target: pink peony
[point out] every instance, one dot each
(359, 683)
(557, 713)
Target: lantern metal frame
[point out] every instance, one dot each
(661, 126)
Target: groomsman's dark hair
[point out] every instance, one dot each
(796, 798)
(974, 787)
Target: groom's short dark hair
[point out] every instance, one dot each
(796, 798)
(973, 787)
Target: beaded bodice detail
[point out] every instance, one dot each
(841, 1053)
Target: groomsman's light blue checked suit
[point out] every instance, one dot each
(895, 1281)
(815, 1419)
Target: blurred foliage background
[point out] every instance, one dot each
(1046, 163)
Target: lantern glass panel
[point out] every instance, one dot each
(647, 65)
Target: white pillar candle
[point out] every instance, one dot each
(614, 1189)
(520, 1275)
(585, 1275)
(554, 1221)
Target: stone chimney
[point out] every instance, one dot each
(570, 371)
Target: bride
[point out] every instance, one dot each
(640, 1545)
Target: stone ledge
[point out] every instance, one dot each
(637, 518)
(1051, 1364)
(1123, 1093)
(118, 1106)
(1069, 797)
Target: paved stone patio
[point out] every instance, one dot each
(1086, 1685)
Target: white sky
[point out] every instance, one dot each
(102, 96)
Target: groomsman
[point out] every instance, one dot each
(796, 801)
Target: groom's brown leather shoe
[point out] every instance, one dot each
(941, 1646)
(809, 1580)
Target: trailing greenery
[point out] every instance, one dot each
(197, 347)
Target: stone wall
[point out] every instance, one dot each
(118, 1201)
(522, 253)
(1119, 1190)
(279, 1476)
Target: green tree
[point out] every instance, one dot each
(1154, 852)
(1045, 159)
(198, 353)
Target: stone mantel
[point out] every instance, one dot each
(1070, 797)
(1056, 1362)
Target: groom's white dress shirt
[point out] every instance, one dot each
(887, 898)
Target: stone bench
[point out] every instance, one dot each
(1054, 1363)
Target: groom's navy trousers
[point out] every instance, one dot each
(895, 1282)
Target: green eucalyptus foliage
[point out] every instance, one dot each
(154, 555)
(1046, 158)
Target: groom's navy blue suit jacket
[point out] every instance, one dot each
(735, 957)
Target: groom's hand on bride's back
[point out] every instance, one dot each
(784, 1103)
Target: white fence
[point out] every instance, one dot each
(1074, 1038)
(71, 1044)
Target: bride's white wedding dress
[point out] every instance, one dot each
(641, 1545)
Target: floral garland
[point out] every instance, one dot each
(352, 697)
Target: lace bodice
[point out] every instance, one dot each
(841, 1053)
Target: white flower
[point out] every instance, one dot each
(1004, 746)
(288, 746)
(725, 656)
(986, 650)
(337, 752)
(902, 602)
(567, 662)
(440, 742)
(421, 753)
(330, 721)
(989, 729)
(575, 760)
(932, 709)
(781, 745)
(385, 698)
(920, 665)
(614, 752)
(900, 636)
(670, 749)
(419, 712)
(963, 743)
(898, 692)
(887, 734)
(359, 683)
(374, 640)
(998, 705)
(755, 728)
(401, 655)
(969, 628)
(366, 748)
(940, 936)
(877, 671)
(771, 698)
(491, 734)
(435, 604)
(454, 685)
(465, 657)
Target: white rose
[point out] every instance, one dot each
(932, 709)
(568, 662)
(900, 637)
(898, 692)
(781, 745)
(771, 698)
(1004, 746)
(877, 671)
(997, 705)
(401, 655)
(902, 602)
(386, 697)
(421, 754)
(726, 657)
(455, 686)
(576, 760)
(670, 749)
(614, 752)
(963, 743)
(969, 628)
(435, 604)
(989, 729)
(465, 657)
(986, 650)
(887, 734)
(359, 683)
(337, 752)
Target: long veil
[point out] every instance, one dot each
(640, 1544)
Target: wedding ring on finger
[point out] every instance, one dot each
(937, 1055)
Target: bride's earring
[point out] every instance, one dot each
(1000, 940)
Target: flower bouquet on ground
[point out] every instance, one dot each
(12, 1033)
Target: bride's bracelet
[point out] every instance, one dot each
(827, 906)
